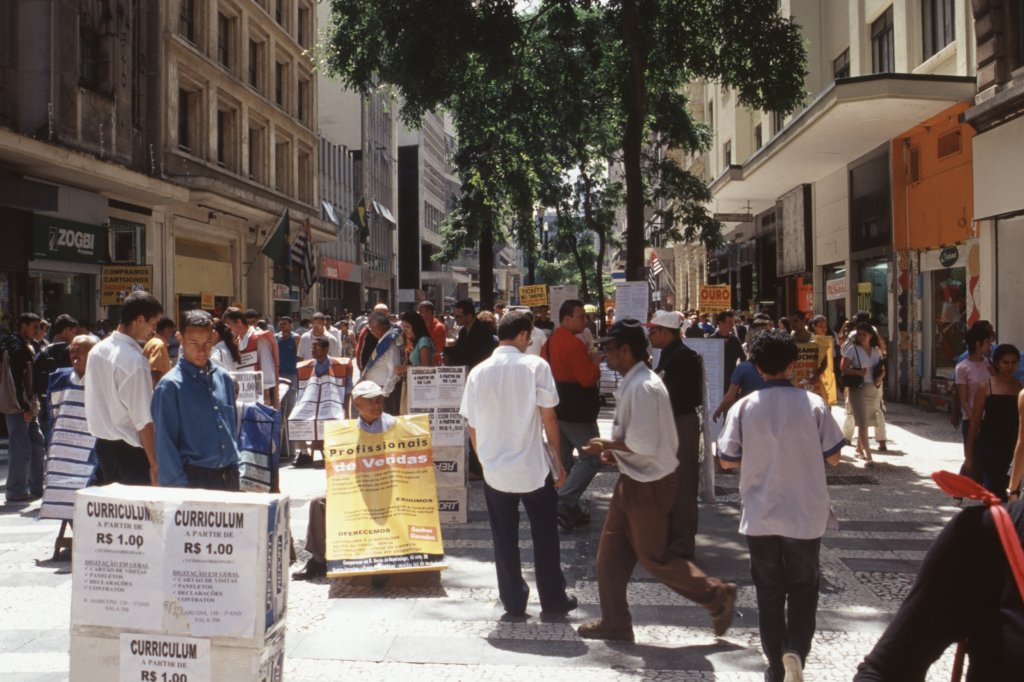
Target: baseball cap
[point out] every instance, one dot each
(626, 329)
(666, 318)
(367, 389)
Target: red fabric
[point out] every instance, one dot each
(569, 359)
(439, 336)
(359, 345)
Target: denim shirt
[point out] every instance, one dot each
(194, 415)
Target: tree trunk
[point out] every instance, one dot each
(581, 265)
(602, 246)
(487, 268)
(632, 142)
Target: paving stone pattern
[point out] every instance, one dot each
(454, 631)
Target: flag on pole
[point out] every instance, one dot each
(303, 258)
(656, 266)
(359, 217)
(276, 246)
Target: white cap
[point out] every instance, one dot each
(367, 389)
(666, 318)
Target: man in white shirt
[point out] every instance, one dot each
(118, 391)
(319, 330)
(507, 399)
(643, 445)
(382, 366)
(783, 436)
(258, 349)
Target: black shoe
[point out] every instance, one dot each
(314, 569)
(303, 460)
(566, 520)
(571, 603)
(24, 497)
(513, 616)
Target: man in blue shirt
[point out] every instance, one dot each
(287, 349)
(194, 413)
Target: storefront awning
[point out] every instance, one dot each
(848, 120)
(382, 210)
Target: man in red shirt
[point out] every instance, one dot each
(577, 374)
(438, 332)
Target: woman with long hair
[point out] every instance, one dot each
(225, 353)
(863, 372)
(992, 433)
(417, 340)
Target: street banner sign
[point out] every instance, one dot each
(117, 281)
(533, 295)
(714, 298)
(632, 299)
(559, 294)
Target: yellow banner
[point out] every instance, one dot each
(381, 499)
(714, 298)
(810, 356)
(533, 295)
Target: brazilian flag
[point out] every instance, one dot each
(358, 217)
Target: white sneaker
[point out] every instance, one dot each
(794, 669)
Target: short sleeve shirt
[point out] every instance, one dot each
(645, 423)
(972, 375)
(747, 378)
(782, 435)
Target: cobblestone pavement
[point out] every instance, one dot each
(452, 631)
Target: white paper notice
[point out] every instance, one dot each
(211, 556)
(117, 563)
(451, 383)
(450, 427)
(423, 386)
(321, 400)
(249, 386)
(632, 300)
(559, 294)
(158, 658)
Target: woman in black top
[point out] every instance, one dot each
(992, 434)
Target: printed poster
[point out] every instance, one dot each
(437, 391)
(322, 400)
(632, 299)
(147, 657)
(808, 359)
(248, 387)
(382, 514)
(533, 295)
(559, 294)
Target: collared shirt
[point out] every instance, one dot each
(680, 369)
(538, 337)
(569, 359)
(439, 336)
(287, 352)
(644, 422)
(783, 435)
(118, 389)
(194, 413)
(501, 401)
(747, 378)
(305, 351)
(385, 422)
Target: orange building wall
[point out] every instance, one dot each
(938, 206)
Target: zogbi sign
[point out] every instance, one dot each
(67, 240)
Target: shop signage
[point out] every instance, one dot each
(206, 300)
(117, 281)
(282, 292)
(332, 268)
(949, 256)
(714, 298)
(533, 295)
(835, 289)
(59, 239)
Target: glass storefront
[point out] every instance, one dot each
(873, 292)
(949, 296)
(56, 293)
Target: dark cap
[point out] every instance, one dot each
(252, 312)
(625, 330)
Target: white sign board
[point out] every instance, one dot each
(321, 400)
(248, 386)
(437, 391)
(155, 658)
(559, 294)
(632, 300)
(712, 352)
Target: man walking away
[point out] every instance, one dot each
(26, 450)
(118, 392)
(781, 437)
(682, 372)
(49, 360)
(576, 374)
(637, 525)
(507, 399)
(194, 412)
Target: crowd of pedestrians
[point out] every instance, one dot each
(160, 398)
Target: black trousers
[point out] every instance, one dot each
(121, 462)
(542, 509)
(213, 479)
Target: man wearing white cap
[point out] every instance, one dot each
(682, 371)
(368, 399)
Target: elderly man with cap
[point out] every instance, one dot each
(368, 399)
(682, 371)
(637, 525)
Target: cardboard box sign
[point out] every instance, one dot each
(453, 504)
(174, 561)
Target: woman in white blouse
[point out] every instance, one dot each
(863, 372)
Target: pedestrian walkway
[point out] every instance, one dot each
(339, 630)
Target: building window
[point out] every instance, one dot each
(777, 122)
(758, 136)
(227, 132)
(258, 154)
(283, 167)
(256, 64)
(279, 83)
(225, 26)
(882, 44)
(841, 65)
(187, 19)
(188, 120)
(93, 64)
(138, 63)
(305, 168)
(727, 154)
(711, 115)
(301, 103)
(938, 25)
(279, 11)
(304, 26)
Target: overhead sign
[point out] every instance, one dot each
(117, 281)
(68, 240)
(332, 268)
(949, 256)
(714, 298)
(533, 295)
(734, 217)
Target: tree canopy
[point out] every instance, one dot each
(544, 94)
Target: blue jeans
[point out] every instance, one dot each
(26, 454)
(786, 577)
(572, 435)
